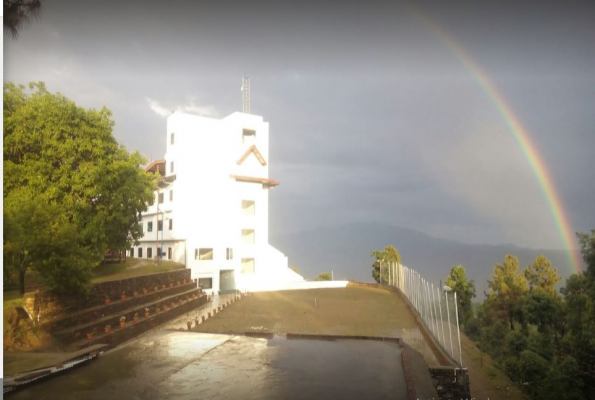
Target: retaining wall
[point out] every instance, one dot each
(451, 384)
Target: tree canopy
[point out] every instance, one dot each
(382, 258)
(506, 288)
(541, 275)
(63, 162)
(538, 337)
(465, 289)
(324, 276)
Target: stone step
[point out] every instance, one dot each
(80, 331)
(99, 311)
(118, 335)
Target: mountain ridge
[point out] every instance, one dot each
(347, 249)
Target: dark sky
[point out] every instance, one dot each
(372, 117)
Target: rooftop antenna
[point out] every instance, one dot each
(246, 95)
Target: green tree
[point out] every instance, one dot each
(324, 276)
(38, 236)
(296, 270)
(66, 156)
(382, 259)
(542, 275)
(506, 290)
(542, 309)
(465, 289)
(587, 243)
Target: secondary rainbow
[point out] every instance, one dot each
(520, 134)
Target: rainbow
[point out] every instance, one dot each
(520, 134)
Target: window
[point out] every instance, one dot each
(203, 254)
(169, 253)
(150, 226)
(171, 167)
(229, 253)
(171, 195)
(248, 236)
(132, 252)
(247, 265)
(171, 138)
(140, 227)
(248, 136)
(159, 254)
(160, 198)
(205, 283)
(248, 207)
(140, 252)
(171, 224)
(150, 252)
(160, 226)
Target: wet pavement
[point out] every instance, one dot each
(188, 365)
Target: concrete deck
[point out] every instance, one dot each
(188, 365)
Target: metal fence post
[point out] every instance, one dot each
(430, 307)
(435, 315)
(441, 319)
(449, 328)
(458, 330)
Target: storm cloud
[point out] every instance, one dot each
(372, 118)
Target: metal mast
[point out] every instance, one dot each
(246, 95)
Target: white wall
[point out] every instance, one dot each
(206, 209)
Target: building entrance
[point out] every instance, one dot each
(227, 280)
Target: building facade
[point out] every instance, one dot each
(211, 207)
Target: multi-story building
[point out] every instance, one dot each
(211, 206)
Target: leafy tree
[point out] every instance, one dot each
(465, 289)
(542, 275)
(506, 290)
(296, 270)
(19, 12)
(66, 157)
(324, 276)
(39, 236)
(382, 259)
(542, 309)
(588, 251)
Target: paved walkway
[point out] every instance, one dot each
(190, 365)
(20, 362)
(214, 302)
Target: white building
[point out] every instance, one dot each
(211, 209)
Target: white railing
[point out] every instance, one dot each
(436, 306)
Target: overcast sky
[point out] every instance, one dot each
(371, 117)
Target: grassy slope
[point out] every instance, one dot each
(487, 380)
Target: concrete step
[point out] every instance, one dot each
(117, 306)
(118, 335)
(78, 332)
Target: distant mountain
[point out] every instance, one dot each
(347, 251)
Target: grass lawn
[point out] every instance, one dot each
(348, 311)
(131, 268)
